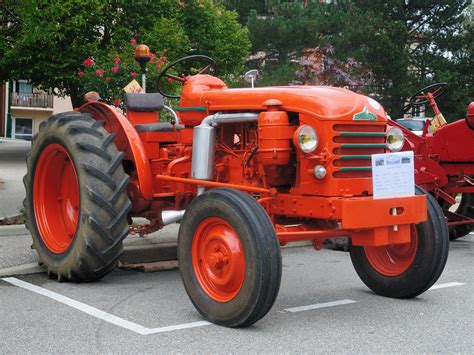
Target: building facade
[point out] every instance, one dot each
(23, 108)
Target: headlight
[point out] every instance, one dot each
(306, 139)
(395, 139)
(319, 171)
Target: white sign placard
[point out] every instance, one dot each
(393, 175)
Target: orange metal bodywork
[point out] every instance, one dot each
(354, 212)
(261, 159)
(329, 110)
(274, 134)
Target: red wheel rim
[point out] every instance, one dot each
(395, 259)
(218, 259)
(56, 198)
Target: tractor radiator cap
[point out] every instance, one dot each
(272, 104)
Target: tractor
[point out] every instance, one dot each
(244, 171)
(444, 159)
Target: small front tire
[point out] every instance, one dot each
(229, 257)
(406, 270)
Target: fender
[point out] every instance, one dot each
(429, 173)
(127, 140)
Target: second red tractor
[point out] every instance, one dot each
(444, 160)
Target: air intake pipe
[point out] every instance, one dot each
(204, 143)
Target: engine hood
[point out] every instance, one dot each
(321, 102)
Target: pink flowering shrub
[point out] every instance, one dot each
(109, 75)
(88, 62)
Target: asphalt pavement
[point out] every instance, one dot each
(322, 307)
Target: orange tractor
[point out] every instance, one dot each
(243, 171)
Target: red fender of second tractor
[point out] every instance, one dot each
(127, 140)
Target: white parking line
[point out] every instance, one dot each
(176, 327)
(319, 305)
(449, 284)
(97, 313)
(137, 328)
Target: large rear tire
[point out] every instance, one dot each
(229, 258)
(76, 201)
(406, 270)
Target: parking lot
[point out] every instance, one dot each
(322, 307)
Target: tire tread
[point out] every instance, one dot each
(103, 223)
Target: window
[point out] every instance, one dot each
(25, 88)
(23, 128)
(22, 87)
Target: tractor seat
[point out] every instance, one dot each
(158, 127)
(144, 102)
(150, 103)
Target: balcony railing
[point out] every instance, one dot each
(32, 100)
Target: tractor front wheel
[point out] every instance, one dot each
(406, 270)
(76, 201)
(229, 257)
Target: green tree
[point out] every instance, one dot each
(408, 44)
(216, 32)
(243, 7)
(284, 29)
(288, 27)
(457, 69)
(46, 41)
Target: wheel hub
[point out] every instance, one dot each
(56, 198)
(393, 260)
(218, 259)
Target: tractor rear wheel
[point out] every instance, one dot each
(76, 201)
(465, 208)
(407, 270)
(229, 257)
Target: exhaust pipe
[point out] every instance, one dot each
(168, 217)
(204, 142)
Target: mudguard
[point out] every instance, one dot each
(127, 141)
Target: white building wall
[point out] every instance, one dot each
(61, 104)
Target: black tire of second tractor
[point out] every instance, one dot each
(102, 226)
(465, 208)
(426, 268)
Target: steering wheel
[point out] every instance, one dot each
(420, 98)
(181, 77)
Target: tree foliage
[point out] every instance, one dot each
(407, 44)
(285, 29)
(45, 41)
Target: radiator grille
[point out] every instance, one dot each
(353, 145)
